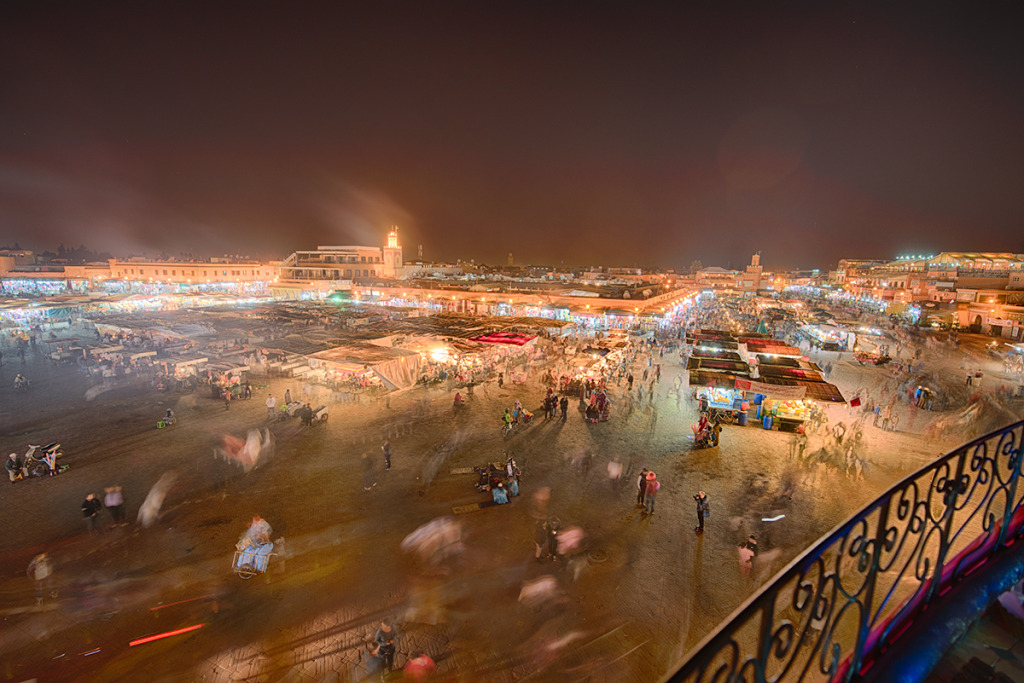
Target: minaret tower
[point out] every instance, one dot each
(393, 262)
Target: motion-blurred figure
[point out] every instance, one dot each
(39, 570)
(257, 448)
(541, 591)
(150, 510)
(435, 543)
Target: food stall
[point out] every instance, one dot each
(788, 415)
(786, 404)
(724, 403)
(183, 367)
(829, 337)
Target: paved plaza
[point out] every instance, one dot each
(639, 593)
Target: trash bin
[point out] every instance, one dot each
(741, 418)
(767, 422)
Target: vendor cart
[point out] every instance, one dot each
(252, 559)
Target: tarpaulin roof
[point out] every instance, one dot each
(712, 364)
(818, 391)
(782, 361)
(361, 353)
(504, 338)
(789, 373)
(717, 355)
(395, 367)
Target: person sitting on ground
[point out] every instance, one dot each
(499, 494)
(513, 487)
(169, 418)
(458, 398)
(13, 467)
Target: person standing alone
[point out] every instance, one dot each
(703, 510)
(271, 404)
(387, 454)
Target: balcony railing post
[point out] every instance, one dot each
(1011, 496)
(951, 489)
(869, 588)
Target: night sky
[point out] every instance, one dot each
(585, 133)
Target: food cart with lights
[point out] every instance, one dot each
(724, 403)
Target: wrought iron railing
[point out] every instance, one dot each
(826, 615)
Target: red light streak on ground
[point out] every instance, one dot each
(179, 602)
(167, 634)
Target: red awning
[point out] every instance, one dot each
(505, 338)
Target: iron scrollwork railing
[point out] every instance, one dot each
(828, 612)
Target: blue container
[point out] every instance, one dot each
(767, 422)
(742, 419)
(758, 399)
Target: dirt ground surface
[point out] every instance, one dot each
(641, 593)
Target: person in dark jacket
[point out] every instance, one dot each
(385, 637)
(90, 509)
(641, 485)
(703, 508)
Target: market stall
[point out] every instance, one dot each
(183, 367)
(786, 404)
(829, 337)
(786, 415)
(723, 403)
(369, 364)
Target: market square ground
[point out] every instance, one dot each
(649, 588)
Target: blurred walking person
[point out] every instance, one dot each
(113, 500)
(39, 570)
(369, 473)
(149, 511)
(540, 540)
(614, 472)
